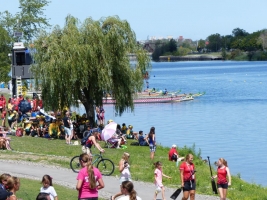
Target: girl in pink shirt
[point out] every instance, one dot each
(89, 179)
(158, 174)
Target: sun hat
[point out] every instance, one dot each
(173, 146)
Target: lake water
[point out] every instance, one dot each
(229, 121)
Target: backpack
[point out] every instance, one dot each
(85, 138)
(19, 132)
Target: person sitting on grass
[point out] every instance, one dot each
(53, 128)
(130, 134)
(4, 140)
(173, 155)
(141, 139)
(124, 129)
(116, 139)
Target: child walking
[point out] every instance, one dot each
(48, 187)
(158, 174)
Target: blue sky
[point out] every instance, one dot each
(194, 19)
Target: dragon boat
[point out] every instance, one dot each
(146, 97)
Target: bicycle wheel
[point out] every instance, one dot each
(105, 166)
(75, 164)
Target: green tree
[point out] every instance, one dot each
(172, 45)
(262, 40)
(200, 45)
(8, 22)
(4, 59)
(224, 55)
(29, 20)
(83, 61)
(214, 42)
(238, 32)
(226, 41)
(181, 51)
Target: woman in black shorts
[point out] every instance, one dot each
(188, 179)
(222, 182)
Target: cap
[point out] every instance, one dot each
(173, 146)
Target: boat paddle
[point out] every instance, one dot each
(213, 184)
(176, 193)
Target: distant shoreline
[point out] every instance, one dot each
(189, 58)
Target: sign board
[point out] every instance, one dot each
(18, 45)
(18, 34)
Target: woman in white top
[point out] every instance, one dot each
(127, 189)
(124, 168)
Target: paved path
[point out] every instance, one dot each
(67, 178)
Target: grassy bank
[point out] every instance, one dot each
(56, 152)
(29, 189)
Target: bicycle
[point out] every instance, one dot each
(105, 166)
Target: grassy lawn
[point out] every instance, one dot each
(29, 189)
(56, 152)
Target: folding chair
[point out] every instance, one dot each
(111, 143)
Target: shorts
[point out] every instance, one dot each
(174, 157)
(223, 185)
(86, 150)
(71, 127)
(67, 131)
(152, 148)
(189, 185)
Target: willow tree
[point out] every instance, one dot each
(84, 61)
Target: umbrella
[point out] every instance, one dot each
(108, 131)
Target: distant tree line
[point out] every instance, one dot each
(240, 45)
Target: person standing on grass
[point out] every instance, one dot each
(127, 188)
(188, 179)
(151, 140)
(12, 185)
(3, 117)
(124, 168)
(89, 179)
(158, 174)
(48, 187)
(67, 129)
(222, 182)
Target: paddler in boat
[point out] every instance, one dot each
(165, 92)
